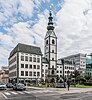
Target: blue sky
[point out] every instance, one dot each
(25, 21)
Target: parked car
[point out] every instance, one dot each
(2, 86)
(60, 85)
(19, 86)
(9, 85)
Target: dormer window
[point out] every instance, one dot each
(53, 42)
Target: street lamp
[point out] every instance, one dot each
(68, 81)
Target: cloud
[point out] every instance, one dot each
(21, 22)
(13, 10)
(74, 28)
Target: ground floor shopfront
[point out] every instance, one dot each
(24, 81)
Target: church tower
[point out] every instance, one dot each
(51, 49)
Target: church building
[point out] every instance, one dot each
(27, 64)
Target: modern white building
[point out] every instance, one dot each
(25, 63)
(79, 62)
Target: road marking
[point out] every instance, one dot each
(7, 93)
(20, 92)
(27, 92)
(43, 91)
(4, 96)
(14, 93)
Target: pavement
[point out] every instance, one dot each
(64, 90)
(35, 93)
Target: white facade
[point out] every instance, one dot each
(44, 71)
(13, 66)
(25, 64)
(60, 70)
(31, 66)
(70, 68)
(79, 60)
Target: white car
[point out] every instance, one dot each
(2, 86)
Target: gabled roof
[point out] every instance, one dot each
(44, 60)
(26, 49)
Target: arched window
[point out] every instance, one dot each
(53, 42)
(47, 42)
(52, 71)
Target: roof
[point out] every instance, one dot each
(26, 49)
(59, 62)
(75, 55)
(65, 61)
(50, 33)
(44, 60)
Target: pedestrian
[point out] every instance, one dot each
(68, 84)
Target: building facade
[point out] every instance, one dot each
(4, 74)
(65, 68)
(89, 65)
(79, 62)
(51, 49)
(25, 63)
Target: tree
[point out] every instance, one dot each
(77, 76)
(87, 77)
(57, 78)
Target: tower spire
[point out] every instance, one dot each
(50, 23)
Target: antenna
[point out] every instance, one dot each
(34, 40)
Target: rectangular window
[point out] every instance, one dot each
(26, 73)
(30, 59)
(42, 70)
(60, 71)
(53, 59)
(38, 60)
(34, 73)
(60, 75)
(34, 66)
(38, 66)
(26, 65)
(22, 73)
(34, 59)
(42, 75)
(26, 58)
(52, 66)
(46, 71)
(38, 73)
(30, 73)
(30, 66)
(22, 58)
(22, 65)
(52, 51)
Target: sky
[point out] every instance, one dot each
(25, 21)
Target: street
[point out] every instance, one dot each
(75, 96)
(37, 94)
